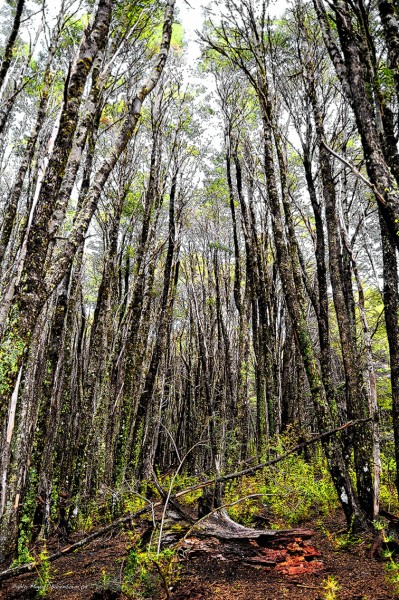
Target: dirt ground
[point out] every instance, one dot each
(359, 577)
(209, 572)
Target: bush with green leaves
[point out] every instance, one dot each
(293, 491)
(149, 574)
(298, 490)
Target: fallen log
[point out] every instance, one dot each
(221, 526)
(27, 568)
(284, 550)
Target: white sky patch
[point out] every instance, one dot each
(277, 7)
(192, 15)
(192, 19)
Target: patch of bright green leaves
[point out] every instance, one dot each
(292, 492)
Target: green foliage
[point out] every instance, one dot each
(112, 113)
(24, 555)
(388, 492)
(391, 565)
(392, 569)
(177, 37)
(132, 202)
(55, 498)
(45, 574)
(181, 482)
(216, 187)
(148, 575)
(145, 574)
(84, 522)
(107, 506)
(331, 587)
(299, 490)
(222, 247)
(240, 507)
(109, 583)
(72, 34)
(133, 15)
(344, 540)
(154, 39)
(131, 503)
(90, 515)
(386, 82)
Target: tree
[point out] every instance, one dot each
(39, 277)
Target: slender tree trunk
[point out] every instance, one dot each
(356, 401)
(9, 49)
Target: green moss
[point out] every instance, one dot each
(11, 351)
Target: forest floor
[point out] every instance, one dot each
(207, 572)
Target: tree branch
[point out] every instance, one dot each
(356, 172)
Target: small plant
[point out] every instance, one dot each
(344, 540)
(391, 566)
(251, 490)
(298, 490)
(45, 574)
(147, 575)
(109, 582)
(131, 502)
(331, 587)
(181, 481)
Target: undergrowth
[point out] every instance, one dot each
(45, 574)
(148, 574)
(182, 481)
(294, 491)
(341, 540)
(144, 573)
(389, 555)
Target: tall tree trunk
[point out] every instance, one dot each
(356, 400)
(9, 49)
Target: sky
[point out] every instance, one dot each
(191, 18)
(190, 12)
(191, 15)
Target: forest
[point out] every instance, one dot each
(199, 297)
